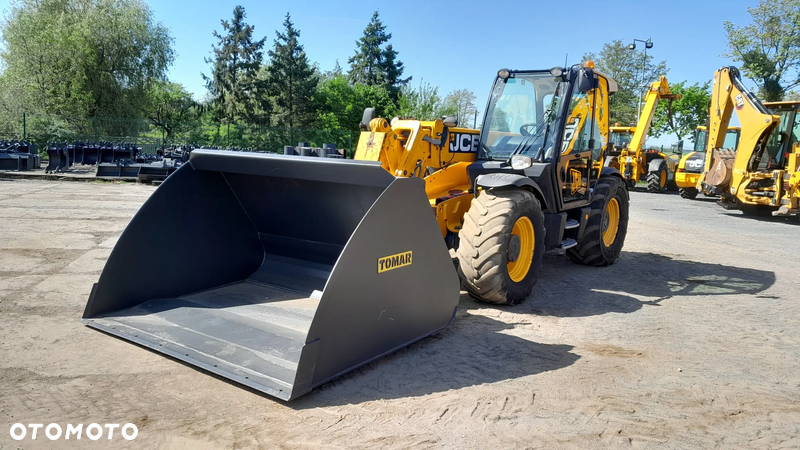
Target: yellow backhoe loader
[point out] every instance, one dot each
(636, 163)
(292, 270)
(692, 163)
(761, 176)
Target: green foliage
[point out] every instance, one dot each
(82, 58)
(462, 102)
(234, 85)
(373, 64)
(423, 103)
(341, 105)
(171, 107)
(769, 47)
(682, 116)
(633, 72)
(291, 80)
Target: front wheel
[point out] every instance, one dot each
(606, 227)
(690, 193)
(657, 179)
(501, 246)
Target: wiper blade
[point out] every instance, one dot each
(544, 123)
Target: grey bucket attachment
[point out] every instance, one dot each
(282, 272)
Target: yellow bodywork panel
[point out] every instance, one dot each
(450, 213)
(429, 150)
(370, 144)
(448, 192)
(409, 147)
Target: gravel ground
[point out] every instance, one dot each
(689, 340)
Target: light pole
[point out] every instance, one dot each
(647, 44)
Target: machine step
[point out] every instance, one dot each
(571, 223)
(568, 243)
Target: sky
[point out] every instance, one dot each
(457, 45)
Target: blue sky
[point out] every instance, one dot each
(462, 44)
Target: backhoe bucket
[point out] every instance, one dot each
(277, 272)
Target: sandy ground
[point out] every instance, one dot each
(689, 341)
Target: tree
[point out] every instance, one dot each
(633, 72)
(462, 101)
(769, 47)
(682, 116)
(341, 104)
(234, 85)
(171, 108)
(83, 57)
(392, 70)
(422, 103)
(291, 80)
(373, 64)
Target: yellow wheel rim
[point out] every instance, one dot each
(611, 222)
(523, 230)
(663, 180)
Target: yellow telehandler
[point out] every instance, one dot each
(691, 164)
(289, 271)
(762, 176)
(629, 155)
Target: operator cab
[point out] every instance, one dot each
(785, 136)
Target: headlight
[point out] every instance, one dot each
(520, 162)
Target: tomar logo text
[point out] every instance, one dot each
(394, 261)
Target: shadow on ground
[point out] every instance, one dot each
(636, 279)
(789, 220)
(473, 350)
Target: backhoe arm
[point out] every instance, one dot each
(658, 90)
(756, 125)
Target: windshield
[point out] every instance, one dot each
(621, 139)
(700, 139)
(731, 139)
(520, 109)
(782, 139)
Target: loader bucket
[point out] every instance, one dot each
(277, 272)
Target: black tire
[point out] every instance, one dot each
(690, 193)
(658, 179)
(483, 249)
(592, 250)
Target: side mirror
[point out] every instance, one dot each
(679, 147)
(585, 80)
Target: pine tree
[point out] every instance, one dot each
(376, 65)
(291, 80)
(234, 85)
(392, 71)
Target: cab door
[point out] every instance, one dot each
(575, 165)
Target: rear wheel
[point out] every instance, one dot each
(501, 246)
(657, 180)
(689, 193)
(606, 227)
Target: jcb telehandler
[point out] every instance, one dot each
(629, 155)
(763, 175)
(691, 165)
(292, 270)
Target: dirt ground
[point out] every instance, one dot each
(690, 340)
